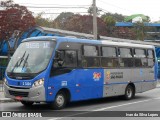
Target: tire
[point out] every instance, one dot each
(27, 104)
(129, 92)
(60, 101)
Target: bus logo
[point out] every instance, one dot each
(96, 76)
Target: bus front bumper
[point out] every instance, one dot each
(36, 94)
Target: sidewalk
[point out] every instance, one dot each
(3, 99)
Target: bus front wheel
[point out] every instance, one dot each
(60, 101)
(129, 92)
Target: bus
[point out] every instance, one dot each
(58, 70)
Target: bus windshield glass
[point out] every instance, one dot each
(31, 57)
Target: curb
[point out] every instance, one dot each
(3, 100)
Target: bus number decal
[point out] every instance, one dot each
(26, 83)
(64, 83)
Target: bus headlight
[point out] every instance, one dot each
(5, 81)
(38, 82)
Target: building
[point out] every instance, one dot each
(152, 30)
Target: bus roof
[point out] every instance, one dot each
(78, 40)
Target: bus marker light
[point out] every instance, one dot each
(50, 87)
(50, 93)
(77, 85)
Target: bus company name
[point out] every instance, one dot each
(114, 75)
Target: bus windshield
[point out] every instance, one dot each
(31, 57)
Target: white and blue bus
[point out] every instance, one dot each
(58, 70)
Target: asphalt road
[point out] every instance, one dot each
(115, 106)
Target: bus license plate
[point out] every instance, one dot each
(18, 98)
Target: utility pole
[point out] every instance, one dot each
(94, 19)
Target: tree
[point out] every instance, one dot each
(90, 10)
(117, 17)
(110, 24)
(84, 24)
(45, 22)
(14, 17)
(60, 21)
(124, 32)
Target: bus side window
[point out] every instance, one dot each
(90, 56)
(126, 57)
(140, 57)
(70, 58)
(66, 58)
(150, 56)
(109, 57)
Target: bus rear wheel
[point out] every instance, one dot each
(60, 101)
(27, 103)
(129, 92)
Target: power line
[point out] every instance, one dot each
(59, 13)
(24, 4)
(114, 5)
(52, 7)
(105, 11)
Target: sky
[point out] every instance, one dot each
(125, 7)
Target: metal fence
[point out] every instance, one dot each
(3, 64)
(2, 71)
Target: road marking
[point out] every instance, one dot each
(101, 109)
(105, 108)
(58, 118)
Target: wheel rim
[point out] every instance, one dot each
(60, 100)
(129, 92)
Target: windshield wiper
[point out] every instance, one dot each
(21, 59)
(25, 61)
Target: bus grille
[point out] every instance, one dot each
(16, 93)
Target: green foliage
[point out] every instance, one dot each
(3, 62)
(110, 24)
(60, 21)
(117, 17)
(45, 22)
(90, 10)
(110, 21)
